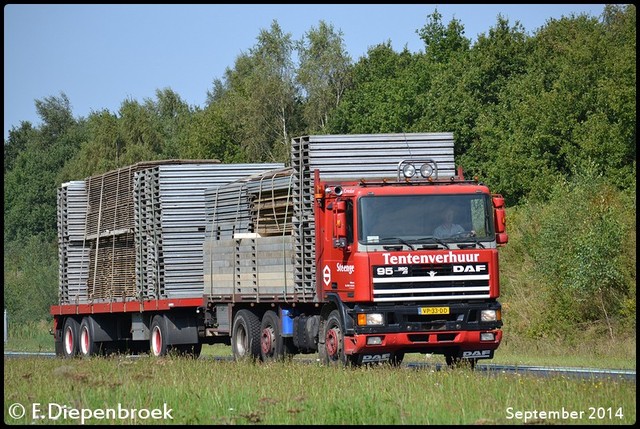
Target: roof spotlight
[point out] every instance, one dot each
(409, 171)
(426, 170)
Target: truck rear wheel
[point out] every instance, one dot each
(158, 341)
(272, 346)
(70, 338)
(245, 335)
(86, 345)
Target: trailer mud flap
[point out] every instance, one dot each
(181, 329)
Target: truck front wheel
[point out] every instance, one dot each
(331, 349)
(70, 338)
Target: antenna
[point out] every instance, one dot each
(407, 143)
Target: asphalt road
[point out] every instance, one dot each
(490, 369)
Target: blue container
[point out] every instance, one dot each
(287, 322)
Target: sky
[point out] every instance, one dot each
(100, 55)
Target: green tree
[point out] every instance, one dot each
(382, 98)
(324, 74)
(30, 279)
(443, 42)
(56, 115)
(141, 139)
(448, 103)
(16, 143)
(558, 114)
(578, 251)
(497, 58)
(173, 117)
(607, 131)
(101, 151)
(30, 185)
(260, 97)
(211, 136)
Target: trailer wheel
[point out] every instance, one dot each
(70, 338)
(245, 335)
(86, 344)
(272, 346)
(158, 341)
(332, 351)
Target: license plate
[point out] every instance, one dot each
(434, 310)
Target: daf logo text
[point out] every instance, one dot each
(470, 268)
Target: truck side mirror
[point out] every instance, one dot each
(500, 220)
(340, 224)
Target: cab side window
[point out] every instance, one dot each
(349, 213)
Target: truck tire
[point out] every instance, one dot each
(331, 348)
(70, 337)
(271, 341)
(158, 341)
(245, 336)
(87, 346)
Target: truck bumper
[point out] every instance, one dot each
(456, 343)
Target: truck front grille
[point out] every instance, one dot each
(430, 283)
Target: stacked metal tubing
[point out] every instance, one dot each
(138, 231)
(352, 158)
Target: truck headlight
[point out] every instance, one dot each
(370, 319)
(488, 316)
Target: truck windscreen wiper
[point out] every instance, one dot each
(431, 238)
(399, 240)
(474, 243)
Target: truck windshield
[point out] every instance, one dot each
(414, 218)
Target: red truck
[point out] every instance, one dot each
(365, 248)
